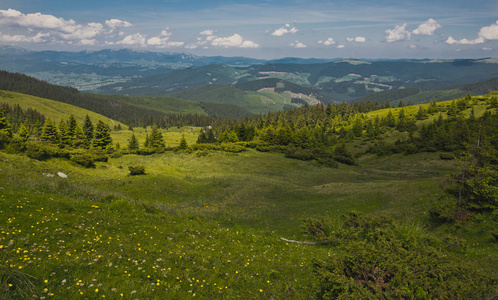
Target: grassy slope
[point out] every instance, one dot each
(208, 226)
(53, 109)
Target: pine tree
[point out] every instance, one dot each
(183, 143)
(88, 128)
(202, 138)
(421, 114)
(71, 125)
(23, 132)
(79, 139)
(133, 143)
(156, 138)
(64, 138)
(5, 128)
(49, 132)
(102, 136)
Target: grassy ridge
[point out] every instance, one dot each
(53, 109)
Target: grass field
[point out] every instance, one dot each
(206, 227)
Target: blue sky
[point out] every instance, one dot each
(260, 28)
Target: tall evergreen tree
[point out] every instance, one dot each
(156, 140)
(71, 125)
(102, 136)
(80, 140)
(183, 143)
(65, 138)
(23, 132)
(133, 143)
(88, 128)
(49, 132)
(5, 128)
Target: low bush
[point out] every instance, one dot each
(137, 170)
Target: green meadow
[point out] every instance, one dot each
(207, 227)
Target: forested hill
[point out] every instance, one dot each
(136, 112)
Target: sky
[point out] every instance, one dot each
(265, 29)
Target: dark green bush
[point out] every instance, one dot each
(84, 159)
(137, 170)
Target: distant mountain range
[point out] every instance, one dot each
(238, 80)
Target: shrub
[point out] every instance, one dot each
(382, 259)
(84, 159)
(233, 148)
(200, 153)
(137, 170)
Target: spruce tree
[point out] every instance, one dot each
(64, 138)
(183, 143)
(202, 137)
(71, 125)
(5, 128)
(133, 143)
(102, 136)
(156, 138)
(88, 128)
(80, 140)
(49, 132)
(23, 132)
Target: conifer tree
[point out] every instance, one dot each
(102, 136)
(88, 128)
(79, 139)
(64, 138)
(156, 138)
(202, 138)
(183, 143)
(71, 125)
(133, 143)
(23, 132)
(421, 114)
(5, 128)
(210, 136)
(49, 132)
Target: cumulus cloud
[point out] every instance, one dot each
(358, 39)
(57, 28)
(210, 39)
(428, 27)
(328, 42)
(399, 33)
(116, 23)
(340, 46)
(38, 38)
(286, 29)
(207, 32)
(136, 39)
(162, 41)
(486, 33)
(298, 44)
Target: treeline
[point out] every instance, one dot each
(125, 113)
(66, 139)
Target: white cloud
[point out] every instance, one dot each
(210, 39)
(136, 39)
(39, 38)
(298, 44)
(340, 46)
(328, 42)
(358, 39)
(116, 23)
(207, 32)
(412, 46)
(60, 28)
(486, 33)
(489, 32)
(399, 33)
(487, 49)
(235, 40)
(288, 28)
(86, 42)
(428, 27)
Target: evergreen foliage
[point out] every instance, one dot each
(102, 136)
